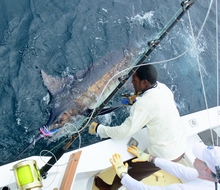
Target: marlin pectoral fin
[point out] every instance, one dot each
(54, 115)
(109, 110)
(103, 111)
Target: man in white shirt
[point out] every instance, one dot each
(156, 109)
(204, 175)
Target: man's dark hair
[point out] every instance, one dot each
(147, 72)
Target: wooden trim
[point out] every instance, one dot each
(70, 171)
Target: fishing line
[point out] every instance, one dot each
(65, 126)
(50, 151)
(80, 142)
(53, 155)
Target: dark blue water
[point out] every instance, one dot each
(62, 37)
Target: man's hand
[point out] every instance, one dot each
(141, 156)
(118, 164)
(129, 99)
(93, 128)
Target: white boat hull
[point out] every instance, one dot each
(95, 158)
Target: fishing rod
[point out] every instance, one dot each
(152, 45)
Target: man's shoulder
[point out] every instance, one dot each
(161, 84)
(163, 87)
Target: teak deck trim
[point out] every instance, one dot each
(70, 171)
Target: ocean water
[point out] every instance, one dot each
(63, 37)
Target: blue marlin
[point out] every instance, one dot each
(73, 95)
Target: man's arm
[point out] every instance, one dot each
(121, 170)
(137, 119)
(131, 183)
(178, 170)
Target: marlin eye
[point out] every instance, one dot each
(59, 121)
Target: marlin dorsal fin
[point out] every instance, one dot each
(53, 84)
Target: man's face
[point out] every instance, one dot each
(139, 85)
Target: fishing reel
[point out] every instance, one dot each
(27, 175)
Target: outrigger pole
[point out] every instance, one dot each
(152, 45)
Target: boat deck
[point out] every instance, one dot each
(159, 178)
